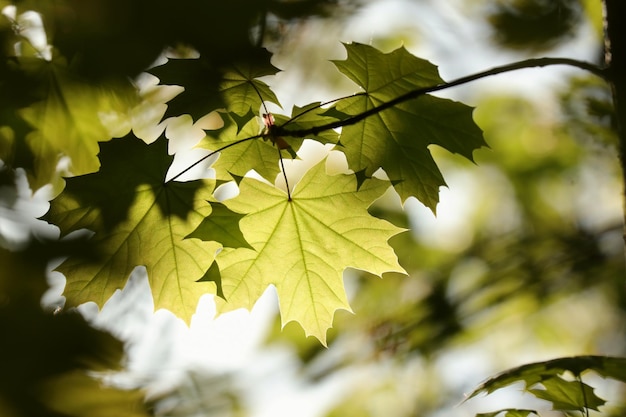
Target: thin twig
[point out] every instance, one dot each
(282, 167)
(281, 131)
(213, 153)
(326, 103)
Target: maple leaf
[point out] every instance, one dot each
(534, 373)
(302, 245)
(260, 153)
(208, 88)
(397, 138)
(257, 154)
(307, 117)
(137, 219)
(568, 395)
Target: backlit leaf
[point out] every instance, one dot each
(239, 158)
(67, 121)
(397, 139)
(534, 373)
(222, 226)
(302, 245)
(138, 219)
(307, 117)
(568, 395)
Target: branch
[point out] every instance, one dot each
(529, 63)
(211, 154)
(615, 57)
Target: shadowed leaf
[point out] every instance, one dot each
(397, 139)
(138, 219)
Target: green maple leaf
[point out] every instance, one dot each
(534, 373)
(302, 245)
(138, 219)
(258, 153)
(568, 395)
(241, 88)
(397, 139)
(307, 117)
(208, 88)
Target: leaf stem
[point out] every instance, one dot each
(529, 63)
(322, 105)
(282, 167)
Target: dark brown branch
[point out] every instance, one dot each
(529, 63)
(615, 57)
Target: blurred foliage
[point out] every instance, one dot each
(55, 96)
(588, 112)
(531, 251)
(48, 360)
(546, 255)
(104, 38)
(534, 24)
(55, 93)
(199, 394)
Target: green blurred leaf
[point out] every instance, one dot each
(534, 24)
(568, 395)
(78, 395)
(539, 372)
(63, 117)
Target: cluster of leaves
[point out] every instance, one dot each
(301, 240)
(545, 380)
(454, 297)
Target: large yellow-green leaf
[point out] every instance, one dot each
(138, 219)
(397, 138)
(303, 245)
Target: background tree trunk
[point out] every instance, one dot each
(615, 56)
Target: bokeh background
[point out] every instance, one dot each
(523, 262)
